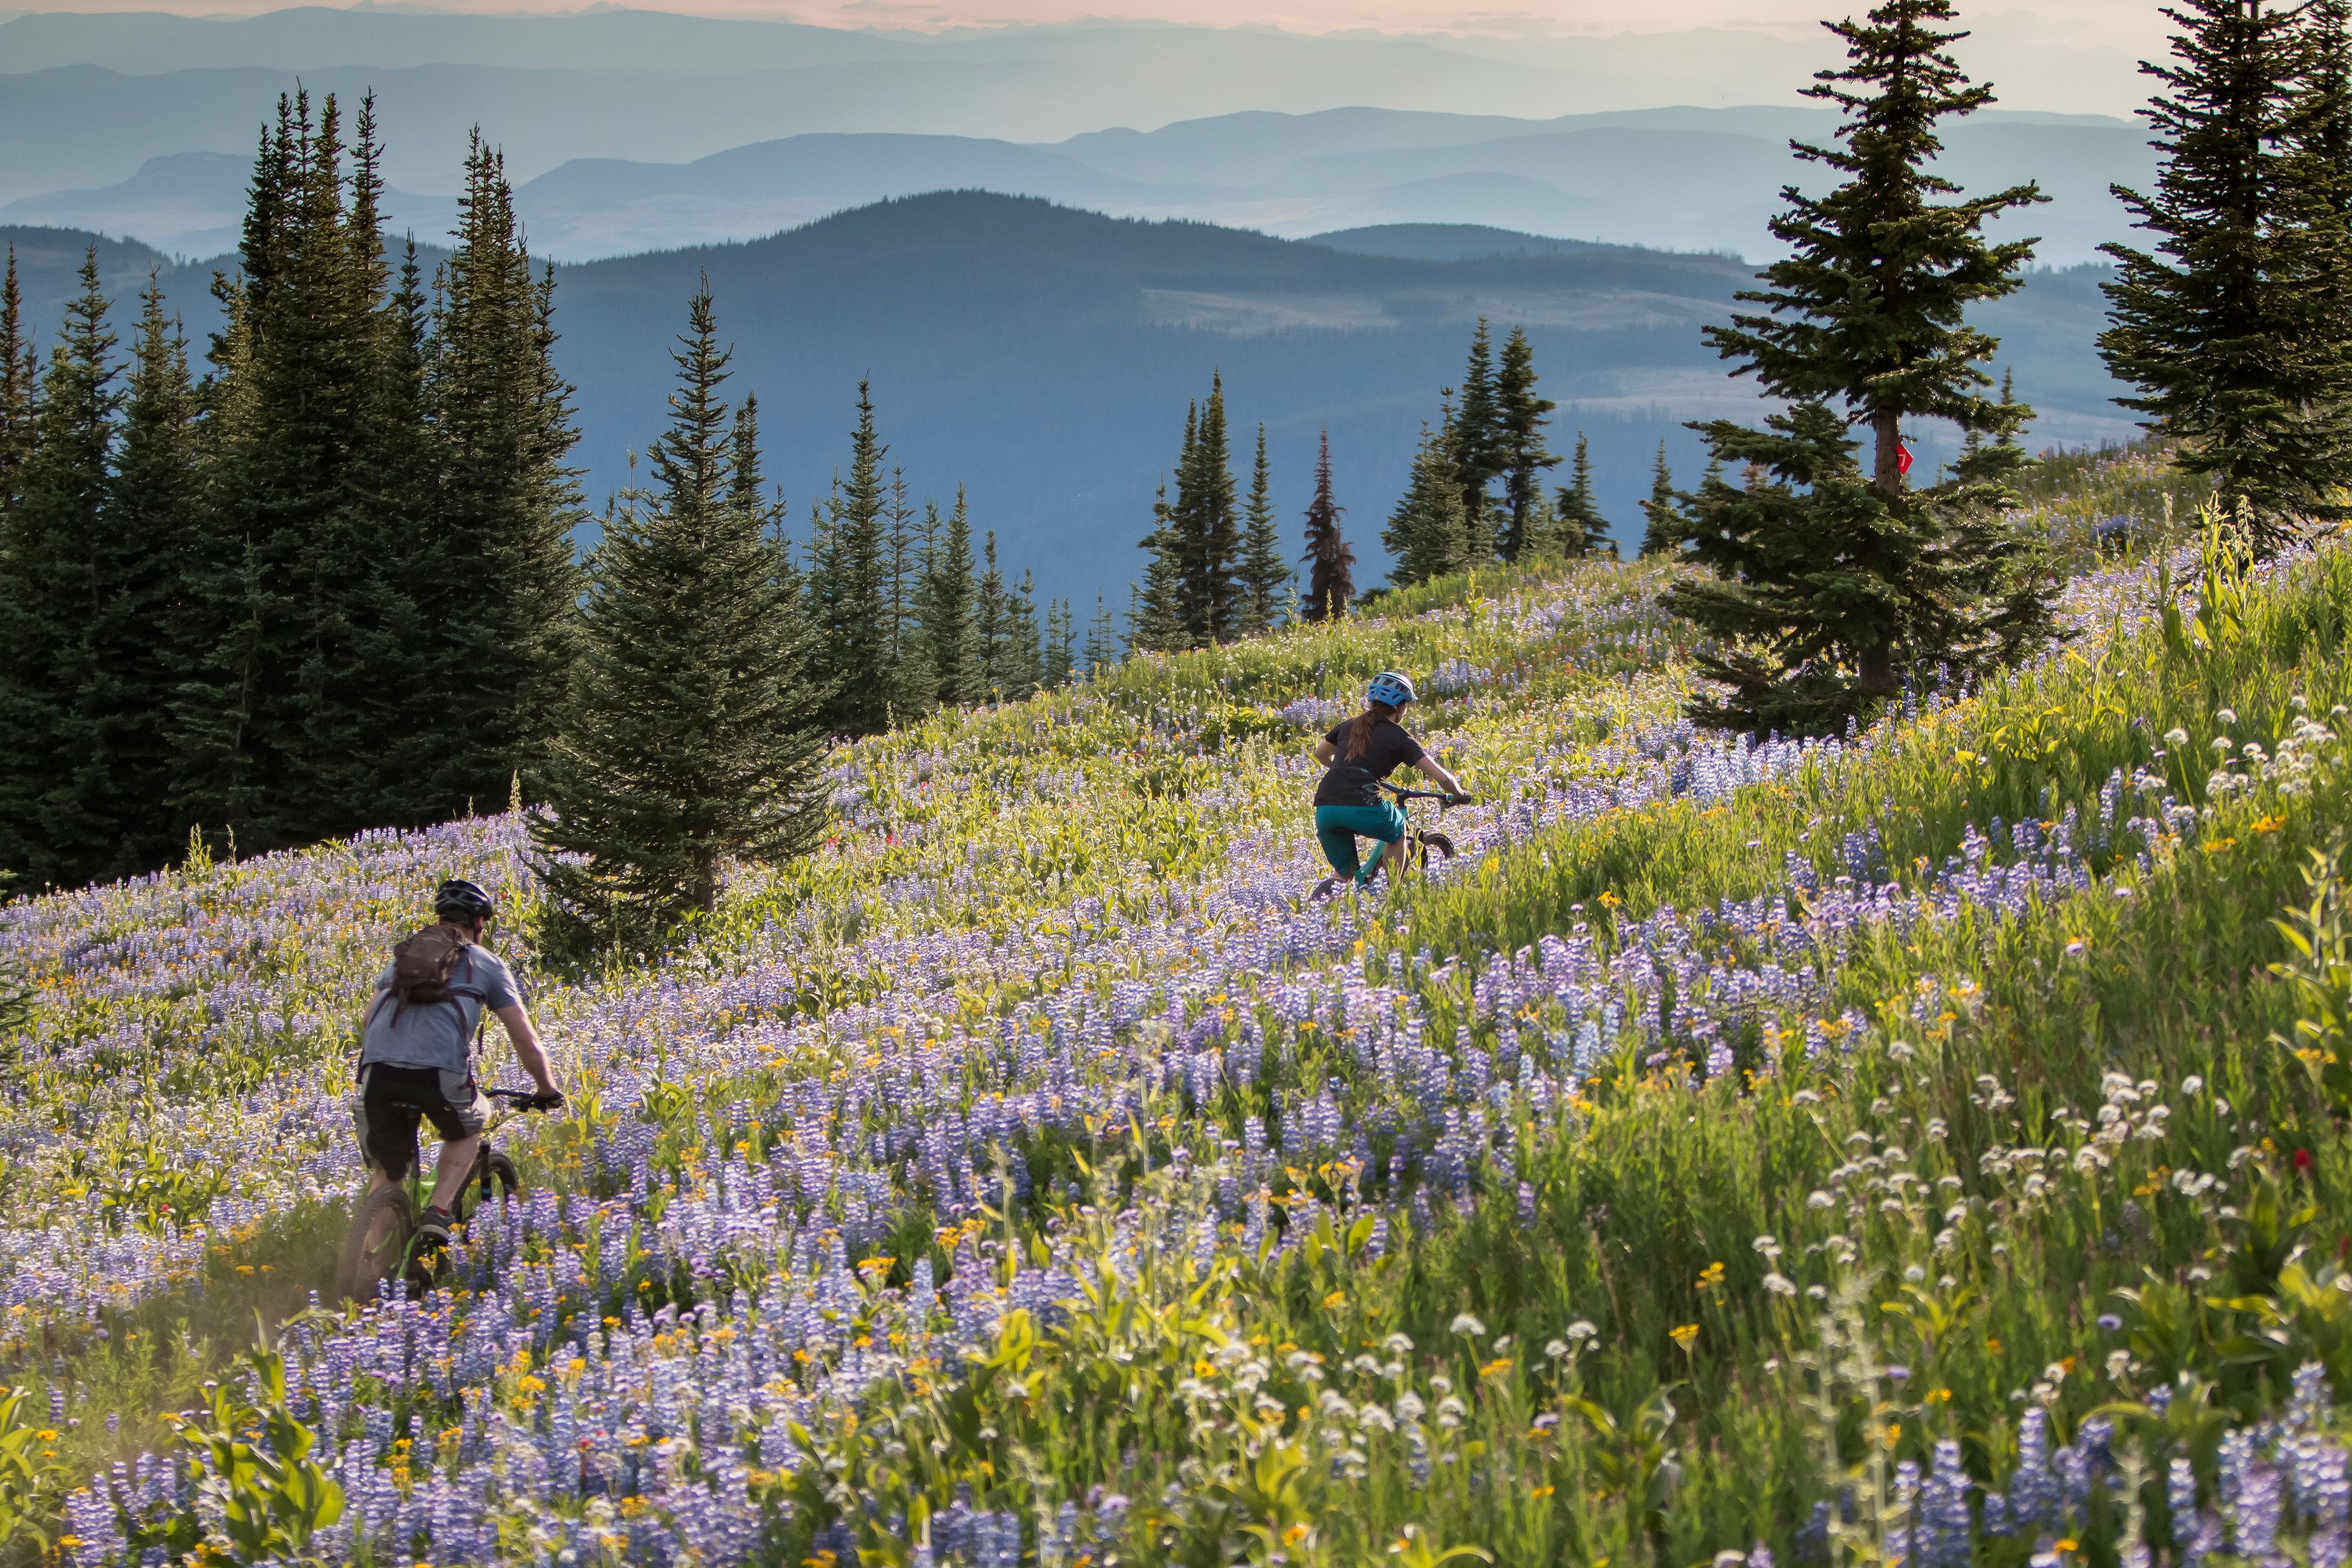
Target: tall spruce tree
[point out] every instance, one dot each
(1331, 562)
(1207, 529)
(507, 503)
(145, 557)
(22, 706)
(1155, 609)
(2231, 326)
(1016, 672)
(904, 666)
(1520, 421)
(225, 665)
(1428, 534)
(1662, 528)
(993, 629)
(287, 704)
(1102, 647)
(1058, 663)
(19, 376)
(396, 481)
(1475, 433)
(850, 589)
(1264, 574)
(690, 737)
(951, 638)
(56, 559)
(1582, 530)
(1832, 580)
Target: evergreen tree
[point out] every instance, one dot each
(1102, 647)
(1663, 531)
(19, 375)
(1265, 575)
(395, 483)
(906, 671)
(1582, 530)
(691, 737)
(951, 636)
(848, 588)
(1024, 656)
(122, 753)
(508, 501)
(1058, 662)
(746, 475)
(1831, 581)
(285, 712)
(1475, 433)
(1520, 423)
(54, 559)
(992, 618)
(1155, 611)
(2231, 326)
(1331, 570)
(1207, 529)
(1427, 536)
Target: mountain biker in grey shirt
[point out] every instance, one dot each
(416, 1061)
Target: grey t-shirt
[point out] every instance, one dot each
(437, 1034)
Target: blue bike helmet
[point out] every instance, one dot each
(1388, 687)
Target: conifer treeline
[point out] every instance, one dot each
(1477, 491)
(1476, 495)
(329, 585)
(908, 621)
(1216, 569)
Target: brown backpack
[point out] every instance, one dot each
(422, 966)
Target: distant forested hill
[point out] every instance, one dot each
(1044, 356)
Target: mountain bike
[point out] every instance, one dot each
(1416, 852)
(383, 1243)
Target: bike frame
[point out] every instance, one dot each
(517, 1102)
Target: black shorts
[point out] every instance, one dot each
(393, 1101)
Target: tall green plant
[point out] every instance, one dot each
(1831, 576)
(691, 738)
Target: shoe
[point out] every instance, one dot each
(433, 1227)
(1324, 889)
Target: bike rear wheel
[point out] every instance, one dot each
(378, 1247)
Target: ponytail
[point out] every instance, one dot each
(1360, 728)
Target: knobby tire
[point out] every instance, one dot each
(379, 1244)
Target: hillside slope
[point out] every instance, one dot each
(1736, 1145)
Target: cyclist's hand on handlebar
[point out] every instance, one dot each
(547, 1100)
(1458, 798)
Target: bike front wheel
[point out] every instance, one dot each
(379, 1244)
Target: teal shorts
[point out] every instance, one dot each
(1339, 828)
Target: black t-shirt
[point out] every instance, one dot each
(1351, 783)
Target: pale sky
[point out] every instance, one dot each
(2124, 24)
(2066, 56)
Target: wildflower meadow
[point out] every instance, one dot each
(1921, 1146)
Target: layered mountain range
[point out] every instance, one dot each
(1044, 356)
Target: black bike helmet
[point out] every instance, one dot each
(462, 902)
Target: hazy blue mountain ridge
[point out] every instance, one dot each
(1044, 356)
(1685, 179)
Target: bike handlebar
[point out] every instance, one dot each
(1438, 796)
(527, 1099)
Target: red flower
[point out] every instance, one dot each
(2303, 1162)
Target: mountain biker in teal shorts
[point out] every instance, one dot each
(1358, 754)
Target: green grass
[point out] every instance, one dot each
(1669, 1312)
